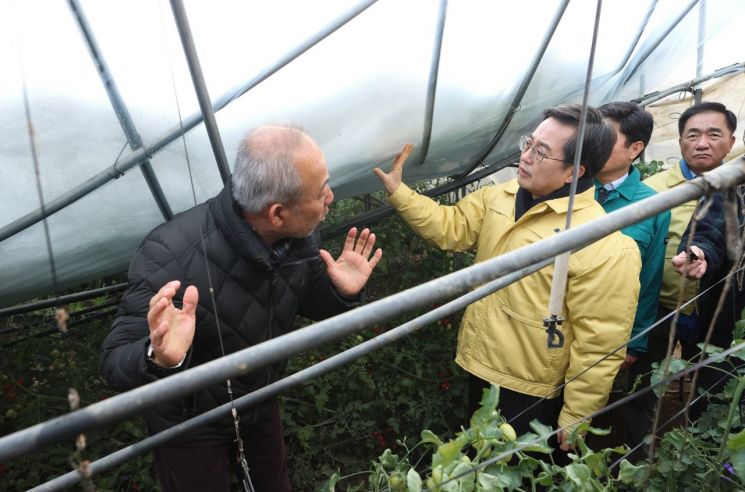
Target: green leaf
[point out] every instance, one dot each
(539, 428)
(596, 462)
(448, 452)
(413, 481)
(546, 479)
(675, 365)
(487, 483)
(578, 473)
(710, 349)
(330, 484)
(740, 354)
(737, 460)
(739, 331)
(505, 476)
(630, 474)
(468, 479)
(487, 412)
(737, 441)
(388, 460)
(431, 437)
(528, 466)
(537, 447)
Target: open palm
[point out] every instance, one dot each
(349, 273)
(172, 329)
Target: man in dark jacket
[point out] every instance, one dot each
(710, 260)
(225, 275)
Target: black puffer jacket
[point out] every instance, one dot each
(258, 291)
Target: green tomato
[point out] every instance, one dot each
(508, 432)
(394, 481)
(10, 414)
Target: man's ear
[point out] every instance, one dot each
(635, 150)
(568, 177)
(275, 214)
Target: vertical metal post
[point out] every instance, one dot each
(432, 84)
(125, 119)
(698, 92)
(205, 104)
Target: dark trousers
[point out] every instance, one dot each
(637, 416)
(520, 409)
(200, 467)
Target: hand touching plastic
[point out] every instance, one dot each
(172, 329)
(350, 272)
(691, 268)
(392, 179)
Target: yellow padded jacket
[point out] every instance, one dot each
(502, 338)
(679, 219)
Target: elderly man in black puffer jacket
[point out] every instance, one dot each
(254, 246)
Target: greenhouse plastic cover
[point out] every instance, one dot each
(361, 93)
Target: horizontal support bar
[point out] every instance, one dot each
(281, 348)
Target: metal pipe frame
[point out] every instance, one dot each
(122, 113)
(638, 36)
(698, 91)
(380, 213)
(432, 83)
(663, 36)
(280, 348)
(118, 169)
(653, 97)
(197, 78)
(58, 301)
(521, 90)
(332, 363)
(70, 325)
(46, 321)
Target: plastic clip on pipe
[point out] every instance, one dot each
(558, 284)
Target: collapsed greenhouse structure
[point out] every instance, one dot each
(117, 116)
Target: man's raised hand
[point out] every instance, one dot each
(350, 272)
(392, 179)
(172, 329)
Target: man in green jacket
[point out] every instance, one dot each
(502, 339)
(617, 185)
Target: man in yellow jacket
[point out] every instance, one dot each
(707, 134)
(502, 339)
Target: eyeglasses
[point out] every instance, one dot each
(537, 154)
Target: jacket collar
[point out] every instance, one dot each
(246, 240)
(629, 185)
(675, 176)
(557, 200)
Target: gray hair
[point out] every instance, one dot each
(264, 171)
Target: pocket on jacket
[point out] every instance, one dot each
(551, 361)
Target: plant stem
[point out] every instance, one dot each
(728, 425)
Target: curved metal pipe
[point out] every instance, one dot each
(118, 169)
(515, 104)
(432, 84)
